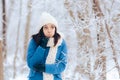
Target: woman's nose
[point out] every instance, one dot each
(49, 30)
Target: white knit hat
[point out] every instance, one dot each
(47, 18)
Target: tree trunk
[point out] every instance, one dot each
(26, 38)
(10, 10)
(100, 14)
(1, 62)
(113, 49)
(101, 61)
(83, 40)
(17, 41)
(4, 23)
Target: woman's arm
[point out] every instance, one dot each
(34, 54)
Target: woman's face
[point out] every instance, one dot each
(49, 30)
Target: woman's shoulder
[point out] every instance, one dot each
(63, 41)
(62, 38)
(32, 41)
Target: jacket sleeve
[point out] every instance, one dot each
(60, 64)
(34, 54)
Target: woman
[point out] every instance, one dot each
(46, 55)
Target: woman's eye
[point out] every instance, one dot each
(52, 27)
(45, 27)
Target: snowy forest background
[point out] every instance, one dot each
(91, 29)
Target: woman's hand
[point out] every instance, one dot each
(39, 67)
(43, 42)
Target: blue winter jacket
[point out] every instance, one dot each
(37, 54)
